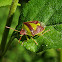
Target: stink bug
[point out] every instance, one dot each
(31, 29)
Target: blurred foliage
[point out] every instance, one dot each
(19, 53)
(5, 2)
(48, 12)
(3, 17)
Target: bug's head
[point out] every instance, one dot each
(23, 32)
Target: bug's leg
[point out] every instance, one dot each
(22, 43)
(45, 32)
(20, 39)
(34, 41)
(12, 29)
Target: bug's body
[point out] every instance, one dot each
(32, 28)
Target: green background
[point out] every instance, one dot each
(50, 13)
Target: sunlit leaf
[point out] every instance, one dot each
(5, 2)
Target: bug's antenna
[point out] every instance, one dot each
(12, 29)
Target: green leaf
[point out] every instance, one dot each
(5, 2)
(50, 13)
(51, 39)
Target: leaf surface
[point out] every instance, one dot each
(50, 13)
(5, 2)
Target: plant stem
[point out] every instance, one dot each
(61, 55)
(8, 23)
(8, 45)
(0, 59)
